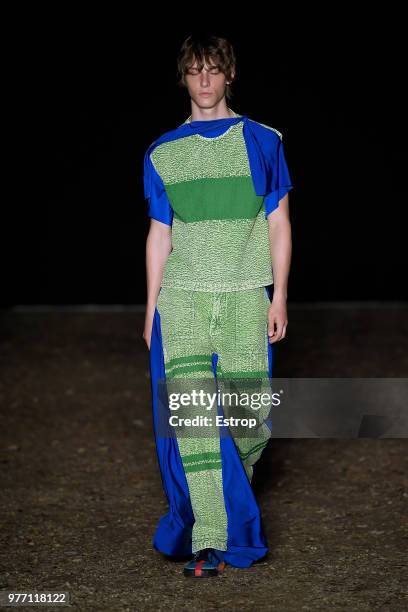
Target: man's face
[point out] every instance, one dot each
(207, 87)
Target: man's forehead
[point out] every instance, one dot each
(212, 62)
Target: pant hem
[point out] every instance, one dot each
(208, 543)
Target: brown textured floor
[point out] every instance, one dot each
(81, 491)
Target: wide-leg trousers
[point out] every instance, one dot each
(210, 339)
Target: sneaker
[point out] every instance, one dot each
(205, 562)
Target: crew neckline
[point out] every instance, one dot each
(213, 121)
(212, 138)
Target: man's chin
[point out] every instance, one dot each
(206, 101)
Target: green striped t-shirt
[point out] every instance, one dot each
(220, 239)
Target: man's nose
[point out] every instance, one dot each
(204, 78)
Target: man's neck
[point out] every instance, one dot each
(230, 114)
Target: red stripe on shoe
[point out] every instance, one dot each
(198, 568)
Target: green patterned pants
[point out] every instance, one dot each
(196, 324)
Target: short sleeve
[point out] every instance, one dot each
(281, 180)
(159, 206)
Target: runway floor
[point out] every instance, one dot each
(81, 491)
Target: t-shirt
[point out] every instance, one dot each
(204, 190)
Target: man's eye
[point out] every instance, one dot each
(214, 70)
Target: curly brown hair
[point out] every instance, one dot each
(211, 49)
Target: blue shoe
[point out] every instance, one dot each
(206, 562)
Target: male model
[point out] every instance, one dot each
(217, 190)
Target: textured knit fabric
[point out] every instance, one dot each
(219, 224)
(196, 325)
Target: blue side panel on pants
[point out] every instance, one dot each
(173, 533)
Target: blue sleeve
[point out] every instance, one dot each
(159, 206)
(281, 181)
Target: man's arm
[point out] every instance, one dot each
(158, 248)
(280, 240)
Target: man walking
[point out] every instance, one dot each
(217, 191)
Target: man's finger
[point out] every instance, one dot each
(279, 333)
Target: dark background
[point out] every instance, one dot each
(92, 92)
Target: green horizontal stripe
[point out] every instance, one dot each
(200, 456)
(188, 359)
(230, 197)
(203, 466)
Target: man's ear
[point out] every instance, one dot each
(232, 78)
